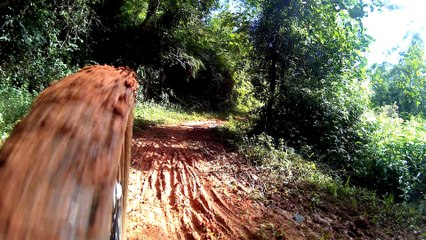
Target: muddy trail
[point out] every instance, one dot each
(175, 191)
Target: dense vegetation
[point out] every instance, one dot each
(294, 68)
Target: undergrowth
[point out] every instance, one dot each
(287, 174)
(14, 104)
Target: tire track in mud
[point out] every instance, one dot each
(170, 197)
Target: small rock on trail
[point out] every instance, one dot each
(175, 193)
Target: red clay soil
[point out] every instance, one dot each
(184, 185)
(175, 192)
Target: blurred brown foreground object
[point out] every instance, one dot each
(59, 167)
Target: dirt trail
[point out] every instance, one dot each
(175, 192)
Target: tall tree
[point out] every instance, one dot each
(308, 44)
(311, 72)
(403, 83)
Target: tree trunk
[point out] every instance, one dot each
(272, 91)
(150, 13)
(153, 6)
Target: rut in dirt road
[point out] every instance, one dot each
(172, 196)
(172, 182)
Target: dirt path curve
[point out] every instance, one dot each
(175, 192)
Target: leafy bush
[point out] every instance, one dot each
(279, 160)
(14, 103)
(392, 157)
(379, 151)
(315, 124)
(42, 41)
(245, 101)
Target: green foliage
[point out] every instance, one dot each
(379, 151)
(14, 104)
(244, 93)
(310, 42)
(41, 40)
(228, 29)
(220, 45)
(178, 43)
(392, 156)
(403, 83)
(306, 53)
(283, 163)
(310, 73)
(133, 12)
(285, 171)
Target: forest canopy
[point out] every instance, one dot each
(295, 68)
